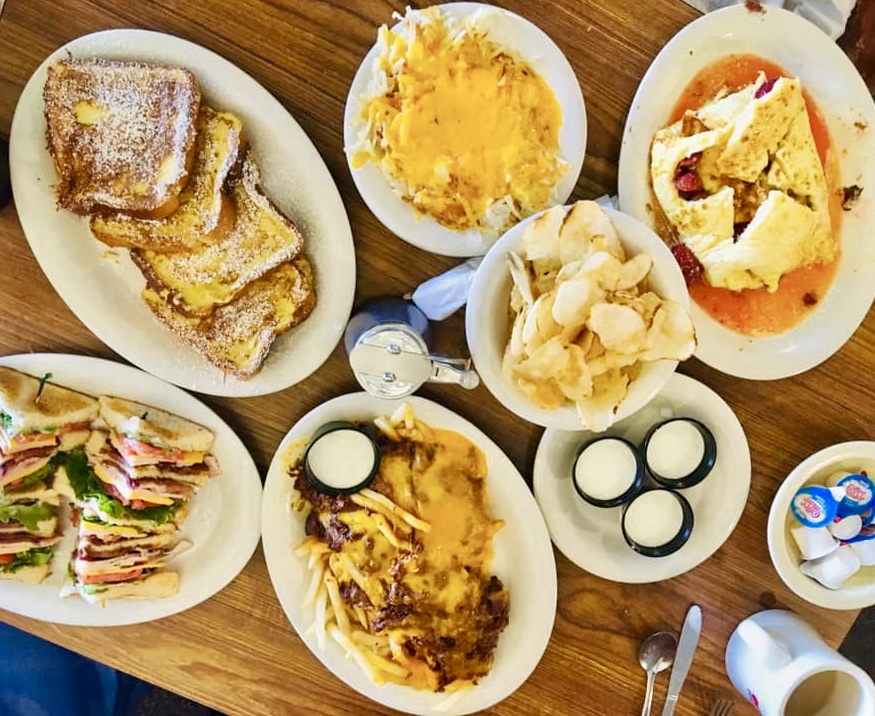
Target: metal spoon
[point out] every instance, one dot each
(656, 654)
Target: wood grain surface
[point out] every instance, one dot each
(237, 652)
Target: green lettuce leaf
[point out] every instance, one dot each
(28, 515)
(35, 557)
(88, 486)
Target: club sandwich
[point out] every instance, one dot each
(38, 421)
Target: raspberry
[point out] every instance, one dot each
(691, 268)
(765, 88)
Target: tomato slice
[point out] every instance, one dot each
(6, 558)
(110, 577)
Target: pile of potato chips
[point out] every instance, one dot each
(583, 319)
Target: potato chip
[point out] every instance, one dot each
(588, 218)
(545, 394)
(541, 238)
(574, 300)
(619, 328)
(671, 334)
(575, 380)
(545, 362)
(583, 321)
(597, 411)
(634, 271)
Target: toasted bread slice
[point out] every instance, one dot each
(34, 405)
(31, 574)
(195, 282)
(203, 211)
(121, 134)
(153, 425)
(237, 336)
(157, 585)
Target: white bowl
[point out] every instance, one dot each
(488, 324)
(858, 591)
(506, 29)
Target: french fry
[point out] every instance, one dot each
(320, 618)
(353, 651)
(316, 582)
(387, 428)
(375, 498)
(337, 603)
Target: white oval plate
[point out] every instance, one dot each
(591, 537)
(488, 325)
(842, 98)
(858, 591)
(102, 287)
(532, 44)
(523, 560)
(222, 523)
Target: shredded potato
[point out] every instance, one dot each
(465, 131)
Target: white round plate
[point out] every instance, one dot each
(847, 107)
(506, 29)
(858, 591)
(523, 560)
(591, 537)
(102, 286)
(222, 523)
(488, 324)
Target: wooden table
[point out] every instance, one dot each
(237, 651)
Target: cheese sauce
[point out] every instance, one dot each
(471, 132)
(756, 312)
(431, 590)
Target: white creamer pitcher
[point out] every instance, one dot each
(782, 666)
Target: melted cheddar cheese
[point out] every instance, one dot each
(470, 132)
(430, 590)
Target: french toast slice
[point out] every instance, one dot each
(121, 134)
(237, 336)
(203, 210)
(196, 281)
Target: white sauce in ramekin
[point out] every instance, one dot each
(605, 469)
(675, 449)
(654, 518)
(342, 458)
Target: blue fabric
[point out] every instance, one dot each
(38, 678)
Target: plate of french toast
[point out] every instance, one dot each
(182, 213)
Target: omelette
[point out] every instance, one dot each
(742, 185)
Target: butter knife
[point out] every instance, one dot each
(686, 648)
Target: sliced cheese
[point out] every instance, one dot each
(99, 528)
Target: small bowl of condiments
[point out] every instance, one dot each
(341, 458)
(646, 480)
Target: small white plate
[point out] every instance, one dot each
(591, 537)
(847, 107)
(488, 324)
(222, 522)
(523, 561)
(858, 591)
(102, 287)
(531, 43)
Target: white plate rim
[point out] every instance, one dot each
(633, 568)
(293, 174)
(805, 50)
(803, 586)
(532, 43)
(230, 502)
(486, 288)
(280, 527)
